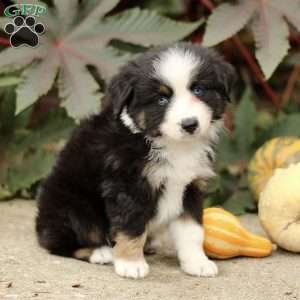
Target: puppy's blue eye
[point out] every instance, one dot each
(198, 90)
(163, 100)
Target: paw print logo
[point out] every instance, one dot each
(24, 31)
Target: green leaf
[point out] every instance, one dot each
(166, 7)
(55, 127)
(294, 59)
(38, 79)
(226, 20)
(107, 60)
(12, 59)
(239, 203)
(31, 169)
(9, 80)
(142, 27)
(66, 11)
(93, 11)
(4, 193)
(147, 28)
(3, 22)
(287, 126)
(98, 10)
(271, 37)
(79, 89)
(245, 121)
(264, 119)
(30, 1)
(30, 155)
(77, 36)
(227, 153)
(290, 9)
(22, 119)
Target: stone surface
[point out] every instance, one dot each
(28, 272)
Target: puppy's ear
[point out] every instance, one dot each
(227, 76)
(120, 91)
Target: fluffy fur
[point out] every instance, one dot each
(129, 171)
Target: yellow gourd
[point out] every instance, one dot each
(277, 153)
(279, 208)
(225, 237)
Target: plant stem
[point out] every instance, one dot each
(4, 41)
(287, 94)
(295, 37)
(257, 72)
(251, 62)
(208, 4)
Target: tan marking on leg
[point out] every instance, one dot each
(128, 248)
(83, 253)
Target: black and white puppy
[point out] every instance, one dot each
(129, 171)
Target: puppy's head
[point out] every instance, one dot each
(177, 92)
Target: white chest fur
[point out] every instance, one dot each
(175, 166)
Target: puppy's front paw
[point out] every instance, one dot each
(202, 268)
(131, 269)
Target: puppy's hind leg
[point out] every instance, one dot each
(87, 243)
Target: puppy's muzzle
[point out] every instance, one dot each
(190, 125)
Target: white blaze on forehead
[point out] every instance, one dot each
(176, 66)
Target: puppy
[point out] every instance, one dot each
(130, 170)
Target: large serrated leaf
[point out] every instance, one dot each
(12, 59)
(98, 9)
(41, 76)
(226, 20)
(271, 37)
(290, 9)
(147, 28)
(79, 33)
(66, 11)
(142, 27)
(93, 11)
(245, 123)
(78, 89)
(107, 60)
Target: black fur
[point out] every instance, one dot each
(192, 202)
(97, 182)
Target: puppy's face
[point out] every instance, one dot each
(177, 92)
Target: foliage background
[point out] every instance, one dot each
(44, 92)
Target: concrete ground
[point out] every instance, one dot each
(28, 272)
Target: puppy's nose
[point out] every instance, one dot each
(190, 125)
